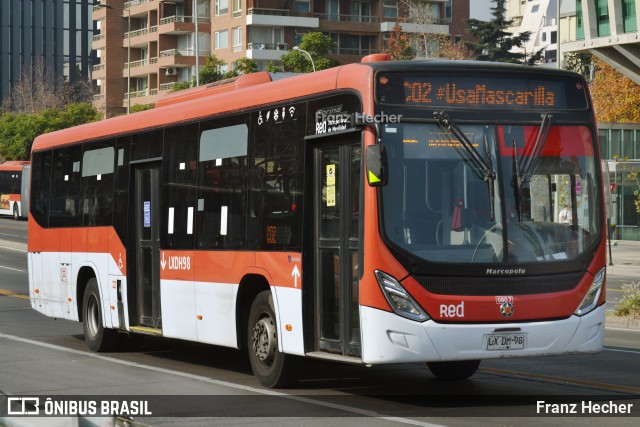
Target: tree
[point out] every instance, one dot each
(244, 66)
(318, 45)
(450, 49)
(38, 89)
(18, 130)
(212, 70)
(496, 43)
(580, 63)
(424, 43)
(399, 45)
(616, 98)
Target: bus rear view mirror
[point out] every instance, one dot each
(376, 166)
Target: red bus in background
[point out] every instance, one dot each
(14, 188)
(380, 212)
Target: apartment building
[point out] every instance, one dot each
(145, 47)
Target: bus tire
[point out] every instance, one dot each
(455, 370)
(16, 214)
(98, 337)
(272, 367)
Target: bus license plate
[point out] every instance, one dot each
(506, 341)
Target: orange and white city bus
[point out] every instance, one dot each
(380, 212)
(14, 187)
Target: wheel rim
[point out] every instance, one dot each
(93, 315)
(264, 340)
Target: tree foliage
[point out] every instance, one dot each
(616, 98)
(495, 43)
(450, 49)
(18, 130)
(212, 71)
(318, 45)
(399, 45)
(423, 43)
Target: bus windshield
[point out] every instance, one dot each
(542, 206)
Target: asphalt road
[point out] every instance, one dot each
(206, 385)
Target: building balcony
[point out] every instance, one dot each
(181, 57)
(266, 51)
(355, 23)
(141, 67)
(178, 24)
(99, 41)
(98, 72)
(141, 37)
(438, 27)
(139, 7)
(279, 18)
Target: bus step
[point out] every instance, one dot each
(335, 357)
(145, 330)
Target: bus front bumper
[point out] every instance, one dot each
(389, 338)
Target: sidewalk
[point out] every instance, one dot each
(625, 257)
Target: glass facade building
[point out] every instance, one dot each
(55, 33)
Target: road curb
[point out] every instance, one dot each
(622, 322)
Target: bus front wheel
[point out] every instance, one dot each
(456, 370)
(96, 335)
(272, 367)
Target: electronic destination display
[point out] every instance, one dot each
(481, 91)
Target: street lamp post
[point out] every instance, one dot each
(309, 55)
(106, 6)
(196, 44)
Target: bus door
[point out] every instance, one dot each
(147, 244)
(336, 217)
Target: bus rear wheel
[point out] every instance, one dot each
(98, 337)
(456, 370)
(272, 367)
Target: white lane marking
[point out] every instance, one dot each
(13, 249)
(10, 268)
(622, 351)
(250, 389)
(13, 235)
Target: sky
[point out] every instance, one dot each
(480, 9)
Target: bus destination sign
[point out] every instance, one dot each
(480, 92)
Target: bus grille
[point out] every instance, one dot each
(486, 286)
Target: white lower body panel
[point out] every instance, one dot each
(389, 338)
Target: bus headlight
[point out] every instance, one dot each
(399, 299)
(593, 294)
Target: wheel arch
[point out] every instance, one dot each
(250, 286)
(85, 274)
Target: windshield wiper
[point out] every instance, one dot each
(530, 163)
(489, 175)
(516, 180)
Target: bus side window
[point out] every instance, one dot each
(179, 186)
(41, 187)
(65, 187)
(276, 191)
(97, 185)
(222, 175)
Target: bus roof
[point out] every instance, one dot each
(241, 93)
(199, 103)
(13, 165)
